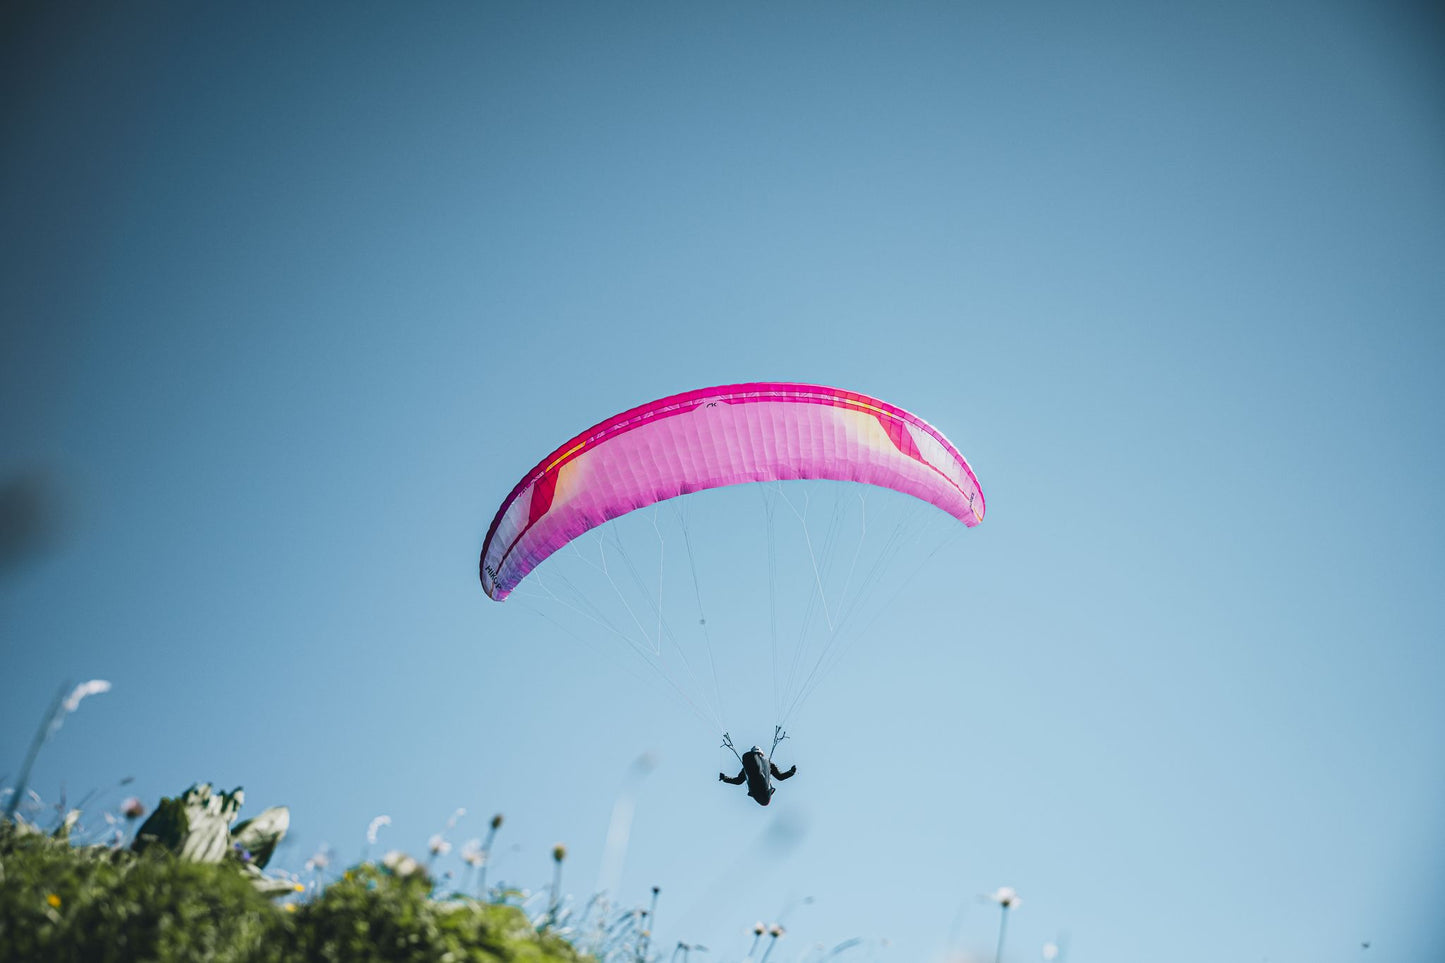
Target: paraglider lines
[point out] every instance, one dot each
(663, 627)
(631, 642)
(651, 651)
(909, 530)
(768, 507)
(701, 615)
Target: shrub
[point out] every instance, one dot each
(95, 904)
(63, 903)
(372, 914)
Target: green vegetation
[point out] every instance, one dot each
(192, 886)
(96, 903)
(374, 913)
(59, 902)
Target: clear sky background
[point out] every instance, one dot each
(292, 297)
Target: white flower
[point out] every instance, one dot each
(438, 845)
(400, 863)
(1051, 951)
(376, 825)
(452, 823)
(473, 854)
(1006, 897)
(93, 687)
(320, 859)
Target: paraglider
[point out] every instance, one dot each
(758, 770)
(768, 435)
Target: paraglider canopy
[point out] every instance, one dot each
(713, 437)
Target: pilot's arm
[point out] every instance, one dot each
(783, 775)
(735, 780)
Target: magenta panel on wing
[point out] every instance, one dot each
(714, 437)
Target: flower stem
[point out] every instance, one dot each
(47, 726)
(1002, 928)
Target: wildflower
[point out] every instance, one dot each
(53, 900)
(438, 845)
(400, 864)
(244, 854)
(759, 929)
(473, 854)
(58, 711)
(775, 931)
(559, 853)
(496, 824)
(1051, 951)
(132, 808)
(376, 825)
(1006, 897)
(299, 887)
(319, 860)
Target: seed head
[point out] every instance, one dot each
(559, 852)
(93, 687)
(497, 821)
(132, 808)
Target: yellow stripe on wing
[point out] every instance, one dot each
(564, 456)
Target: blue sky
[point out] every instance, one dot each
(292, 298)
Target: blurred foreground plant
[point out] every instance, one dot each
(196, 827)
(63, 705)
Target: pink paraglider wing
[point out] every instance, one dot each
(714, 437)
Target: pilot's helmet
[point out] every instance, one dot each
(755, 749)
